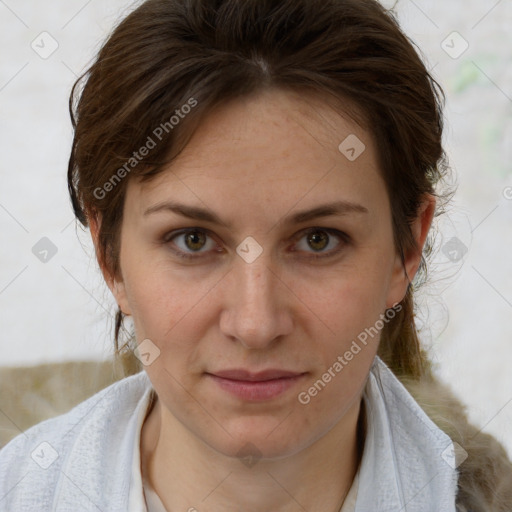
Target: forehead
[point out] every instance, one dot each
(276, 146)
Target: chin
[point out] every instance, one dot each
(254, 438)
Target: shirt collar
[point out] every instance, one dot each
(402, 467)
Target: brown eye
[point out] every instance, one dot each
(195, 240)
(321, 243)
(318, 240)
(190, 243)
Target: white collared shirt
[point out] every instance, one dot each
(90, 456)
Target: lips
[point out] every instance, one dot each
(240, 374)
(256, 386)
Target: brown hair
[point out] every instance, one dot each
(170, 62)
(171, 53)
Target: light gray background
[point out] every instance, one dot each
(62, 310)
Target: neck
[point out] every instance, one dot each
(190, 475)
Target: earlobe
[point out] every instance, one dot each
(403, 273)
(119, 293)
(116, 287)
(94, 225)
(420, 229)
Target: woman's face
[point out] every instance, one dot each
(263, 247)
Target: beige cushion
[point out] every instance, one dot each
(30, 395)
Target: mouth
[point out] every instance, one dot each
(260, 386)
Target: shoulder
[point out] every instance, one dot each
(38, 462)
(485, 469)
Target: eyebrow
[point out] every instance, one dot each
(193, 212)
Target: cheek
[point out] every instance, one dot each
(347, 301)
(345, 328)
(344, 344)
(162, 299)
(348, 347)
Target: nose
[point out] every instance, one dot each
(257, 308)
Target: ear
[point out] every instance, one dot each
(403, 273)
(115, 285)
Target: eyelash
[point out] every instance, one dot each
(344, 239)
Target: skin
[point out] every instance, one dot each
(254, 162)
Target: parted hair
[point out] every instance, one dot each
(168, 54)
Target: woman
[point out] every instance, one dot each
(260, 179)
